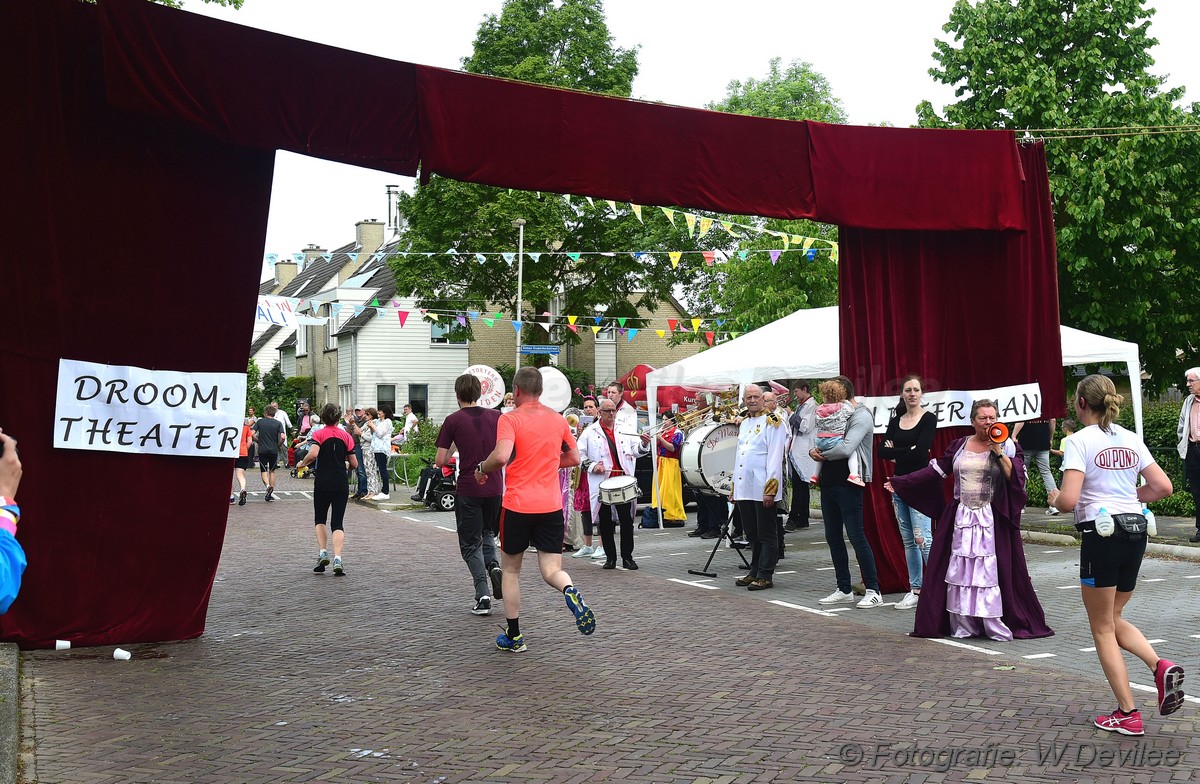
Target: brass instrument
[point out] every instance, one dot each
(684, 421)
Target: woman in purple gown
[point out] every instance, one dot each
(977, 552)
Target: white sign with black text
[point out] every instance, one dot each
(119, 408)
(1018, 403)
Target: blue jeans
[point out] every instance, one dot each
(842, 507)
(361, 470)
(912, 524)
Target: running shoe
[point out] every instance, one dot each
(496, 573)
(870, 599)
(270, 494)
(338, 569)
(322, 562)
(585, 619)
(598, 553)
(908, 602)
(1117, 722)
(483, 606)
(242, 498)
(1168, 677)
(837, 597)
(583, 552)
(232, 499)
(514, 644)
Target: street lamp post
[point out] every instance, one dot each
(519, 225)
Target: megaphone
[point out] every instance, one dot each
(998, 433)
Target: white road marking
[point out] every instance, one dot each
(1155, 642)
(695, 584)
(1040, 656)
(306, 494)
(1088, 650)
(803, 608)
(1194, 635)
(386, 511)
(676, 553)
(824, 569)
(1050, 552)
(1155, 580)
(1065, 587)
(957, 644)
(789, 571)
(838, 609)
(444, 528)
(664, 533)
(411, 519)
(1191, 577)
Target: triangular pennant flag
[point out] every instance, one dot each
(353, 257)
(833, 254)
(733, 335)
(574, 256)
(597, 318)
(675, 256)
(498, 315)
(629, 336)
(705, 225)
(811, 254)
(534, 256)
(336, 307)
(708, 257)
(742, 254)
(637, 210)
(696, 324)
(451, 252)
(670, 214)
(720, 323)
(375, 302)
(462, 320)
(517, 326)
(433, 316)
(298, 258)
(403, 314)
(423, 311)
(728, 227)
(379, 311)
(662, 333)
(548, 323)
(808, 241)
(573, 328)
(672, 323)
(489, 321)
(709, 337)
(474, 314)
(796, 239)
(376, 257)
(358, 309)
(567, 198)
(327, 256)
(589, 201)
(508, 258)
(620, 332)
(621, 321)
(775, 256)
(480, 258)
(595, 330)
(272, 258)
(690, 220)
(612, 205)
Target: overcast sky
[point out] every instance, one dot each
(875, 53)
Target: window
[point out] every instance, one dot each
(385, 395)
(440, 334)
(418, 397)
(301, 340)
(331, 341)
(607, 335)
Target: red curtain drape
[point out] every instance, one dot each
(130, 241)
(966, 310)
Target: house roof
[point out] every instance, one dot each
(290, 342)
(383, 282)
(264, 339)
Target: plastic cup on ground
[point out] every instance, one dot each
(120, 654)
(62, 645)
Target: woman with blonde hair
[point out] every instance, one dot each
(1101, 466)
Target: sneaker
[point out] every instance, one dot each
(483, 606)
(381, 497)
(1194, 538)
(270, 493)
(496, 573)
(583, 552)
(743, 581)
(1052, 511)
(855, 479)
(870, 599)
(232, 499)
(1168, 677)
(322, 562)
(242, 498)
(585, 619)
(514, 644)
(417, 497)
(760, 585)
(1126, 725)
(908, 602)
(837, 597)
(338, 569)
(598, 553)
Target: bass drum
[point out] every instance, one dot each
(708, 458)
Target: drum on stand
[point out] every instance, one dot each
(618, 490)
(709, 457)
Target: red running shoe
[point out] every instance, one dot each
(1168, 677)
(1117, 722)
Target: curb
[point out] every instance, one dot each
(9, 711)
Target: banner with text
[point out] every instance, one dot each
(275, 311)
(1019, 403)
(117, 408)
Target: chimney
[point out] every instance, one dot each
(369, 235)
(285, 271)
(311, 253)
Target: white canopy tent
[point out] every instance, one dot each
(806, 345)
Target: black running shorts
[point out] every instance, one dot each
(1105, 562)
(518, 530)
(268, 461)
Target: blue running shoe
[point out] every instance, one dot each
(514, 644)
(585, 619)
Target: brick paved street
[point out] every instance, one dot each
(384, 675)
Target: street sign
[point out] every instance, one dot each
(540, 349)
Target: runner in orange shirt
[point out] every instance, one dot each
(532, 510)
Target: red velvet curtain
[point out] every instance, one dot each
(966, 310)
(130, 241)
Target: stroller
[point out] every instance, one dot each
(436, 487)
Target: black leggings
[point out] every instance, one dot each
(381, 459)
(326, 500)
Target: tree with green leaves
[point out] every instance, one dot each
(564, 43)
(759, 290)
(1124, 172)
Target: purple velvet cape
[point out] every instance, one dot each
(922, 490)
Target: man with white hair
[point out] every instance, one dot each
(758, 484)
(1189, 440)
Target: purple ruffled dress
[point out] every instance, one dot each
(972, 579)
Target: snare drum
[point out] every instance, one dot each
(618, 490)
(709, 456)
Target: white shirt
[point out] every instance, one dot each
(1111, 463)
(760, 451)
(593, 447)
(627, 419)
(281, 416)
(410, 423)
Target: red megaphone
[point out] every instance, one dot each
(998, 433)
